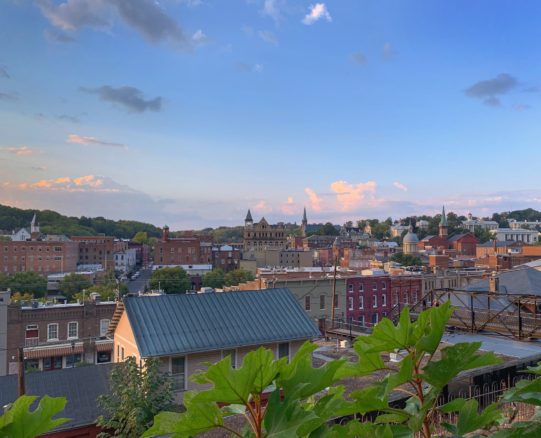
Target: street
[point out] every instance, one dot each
(140, 282)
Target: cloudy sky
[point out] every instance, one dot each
(188, 112)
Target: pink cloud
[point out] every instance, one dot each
(352, 196)
(85, 183)
(400, 186)
(315, 200)
(84, 140)
(262, 207)
(20, 151)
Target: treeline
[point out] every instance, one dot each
(51, 222)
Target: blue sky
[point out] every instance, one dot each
(188, 112)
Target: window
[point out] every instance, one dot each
(307, 302)
(72, 360)
(350, 299)
(322, 302)
(122, 353)
(52, 332)
(103, 357)
(406, 298)
(233, 354)
(375, 301)
(178, 373)
(414, 296)
(283, 350)
(361, 302)
(52, 363)
(104, 326)
(384, 300)
(395, 299)
(31, 365)
(118, 353)
(31, 335)
(336, 301)
(383, 286)
(375, 318)
(350, 287)
(361, 320)
(361, 287)
(73, 330)
(374, 287)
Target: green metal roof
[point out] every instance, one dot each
(185, 323)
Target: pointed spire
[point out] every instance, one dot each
(304, 216)
(443, 221)
(248, 217)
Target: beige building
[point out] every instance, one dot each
(286, 258)
(188, 331)
(261, 235)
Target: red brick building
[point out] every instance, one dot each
(178, 251)
(367, 299)
(43, 257)
(405, 290)
(57, 336)
(96, 250)
(225, 258)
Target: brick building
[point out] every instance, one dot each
(94, 250)
(43, 257)
(56, 336)
(178, 250)
(226, 258)
(367, 299)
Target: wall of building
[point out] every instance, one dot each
(43, 257)
(4, 303)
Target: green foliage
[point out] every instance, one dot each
(214, 279)
(406, 259)
(137, 395)
(28, 282)
(328, 229)
(51, 222)
(483, 235)
(21, 422)
(237, 276)
(141, 237)
(72, 284)
(171, 280)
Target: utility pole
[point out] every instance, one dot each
(333, 300)
(20, 372)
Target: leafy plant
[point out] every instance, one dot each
(21, 422)
(137, 395)
(280, 399)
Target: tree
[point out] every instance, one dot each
(29, 282)
(214, 279)
(483, 234)
(406, 259)
(237, 276)
(4, 281)
(294, 410)
(171, 280)
(19, 421)
(72, 284)
(137, 394)
(141, 237)
(328, 230)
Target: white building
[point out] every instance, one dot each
(516, 235)
(21, 236)
(125, 260)
(471, 224)
(397, 230)
(422, 225)
(514, 224)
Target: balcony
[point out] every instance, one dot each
(31, 342)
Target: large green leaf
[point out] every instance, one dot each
(300, 379)
(284, 417)
(258, 371)
(199, 418)
(19, 421)
(430, 327)
(525, 391)
(455, 359)
(387, 337)
(469, 417)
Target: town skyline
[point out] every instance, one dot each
(190, 114)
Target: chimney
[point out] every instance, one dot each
(494, 283)
(165, 234)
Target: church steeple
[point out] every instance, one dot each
(248, 222)
(444, 226)
(304, 223)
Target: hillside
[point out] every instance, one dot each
(51, 222)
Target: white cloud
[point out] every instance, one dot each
(317, 12)
(19, 150)
(400, 186)
(268, 37)
(272, 9)
(84, 140)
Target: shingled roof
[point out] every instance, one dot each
(525, 281)
(186, 323)
(81, 386)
